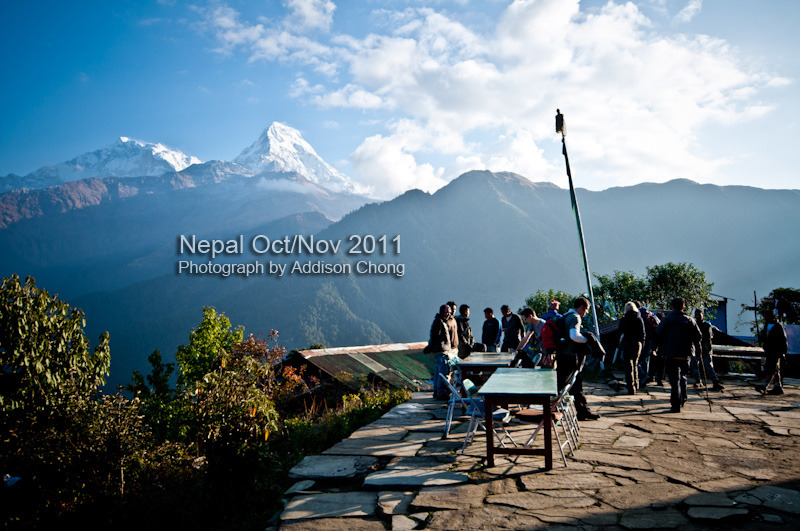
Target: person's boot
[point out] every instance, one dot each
(718, 386)
(776, 390)
(587, 415)
(761, 388)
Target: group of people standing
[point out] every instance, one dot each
(522, 334)
(639, 344)
(684, 344)
(672, 346)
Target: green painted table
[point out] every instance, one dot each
(520, 386)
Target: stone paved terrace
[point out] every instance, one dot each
(638, 467)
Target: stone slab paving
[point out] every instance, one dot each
(733, 462)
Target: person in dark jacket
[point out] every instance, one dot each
(466, 341)
(631, 326)
(707, 358)
(677, 335)
(438, 345)
(491, 331)
(577, 345)
(775, 347)
(513, 329)
(648, 362)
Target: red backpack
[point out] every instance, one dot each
(552, 333)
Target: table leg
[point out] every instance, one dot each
(548, 439)
(488, 423)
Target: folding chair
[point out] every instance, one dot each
(453, 381)
(570, 414)
(477, 417)
(562, 416)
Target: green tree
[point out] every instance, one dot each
(791, 314)
(616, 289)
(45, 356)
(665, 282)
(540, 301)
(212, 339)
(233, 407)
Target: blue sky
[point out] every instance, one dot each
(410, 94)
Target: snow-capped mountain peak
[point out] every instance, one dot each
(124, 158)
(127, 158)
(283, 149)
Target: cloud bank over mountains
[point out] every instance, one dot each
(463, 93)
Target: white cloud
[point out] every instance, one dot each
(310, 14)
(388, 169)
(690, 10)
(635, 98)
(282, 185)
(351, 96)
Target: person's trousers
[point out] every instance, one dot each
(644, 362)
(657, 368)
(631, 351)
(772, 370)
(677, 372)
(708, 365)
(566, 364)
(440, 366)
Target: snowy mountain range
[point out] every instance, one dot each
(280, 149)
(124, 158)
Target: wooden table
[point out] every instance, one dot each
(520, 386)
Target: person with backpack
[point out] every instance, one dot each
(549, 346)
(572, 347)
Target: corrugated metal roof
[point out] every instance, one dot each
(398, 364)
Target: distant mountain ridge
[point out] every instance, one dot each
(279, 150)
(124, 158)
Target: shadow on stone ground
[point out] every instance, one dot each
(733, 462)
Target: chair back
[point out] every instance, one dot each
(470, 387)
(565, 391)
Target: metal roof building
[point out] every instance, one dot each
(402, 365)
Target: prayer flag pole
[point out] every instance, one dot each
(561, 128)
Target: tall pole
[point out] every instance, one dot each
(755, 312)
(561, 128)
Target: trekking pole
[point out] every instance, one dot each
(561, 128)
